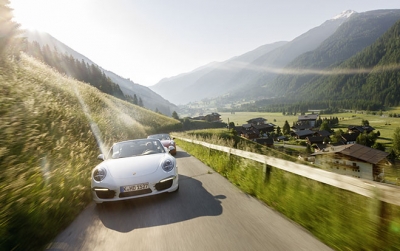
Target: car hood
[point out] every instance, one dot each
(137, 165)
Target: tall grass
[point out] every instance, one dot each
(51, 130)
(341, 219)
(228, 138)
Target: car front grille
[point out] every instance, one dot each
(135, 193)
(164, 185)
(105, 194)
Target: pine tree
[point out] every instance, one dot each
(396, 140)
(286, 128)
(175, 115)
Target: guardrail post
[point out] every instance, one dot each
(267, 172)
(384, 220)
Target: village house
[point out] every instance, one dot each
(298, 128)
(322, 133)
(349, 138)
(315, 140)
(353, 160)
(213, 117)
(265, 141)
(308, 120)
(302, 134)
(256, 128)
(318, 137)
(247, 131)
(360, 129)
(257, 121)
(261, 125)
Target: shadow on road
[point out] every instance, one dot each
(182, 154)
(191, 201)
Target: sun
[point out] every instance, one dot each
(36, 15)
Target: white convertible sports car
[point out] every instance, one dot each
(134, 168)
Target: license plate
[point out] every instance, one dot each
(134, 187)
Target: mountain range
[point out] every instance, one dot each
(287, 71)
(275, 70)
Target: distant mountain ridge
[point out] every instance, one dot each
(248, 71)
(370, 78)
(196, 85)
(151, 100)
(360, 31)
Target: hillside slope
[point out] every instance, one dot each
(150, 99)
(51, 130)
(360, 31)
(371, 76)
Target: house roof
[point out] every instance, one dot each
(238, 128)
(264, 126)
(308, 117)
(251, 132)
(268, 141)
(315, 139)
(350, 136)
(256, 120)
(361, 128)
(303, 133)
(301, 127)
(323, 133)
(357, 151)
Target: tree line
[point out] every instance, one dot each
(79, 70)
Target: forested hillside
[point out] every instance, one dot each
(80, 70)
(369, 80)
(371, 76)
(362, 30)
(48, 49)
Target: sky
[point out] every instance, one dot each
(148, 40)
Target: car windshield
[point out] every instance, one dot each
(135, 148)
(160, 137)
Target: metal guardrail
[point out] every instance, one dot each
(387, 193)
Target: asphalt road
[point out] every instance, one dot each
(207, 213)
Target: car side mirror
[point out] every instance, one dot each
(100, 157)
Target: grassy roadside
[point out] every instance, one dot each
(341, 219)
(51, 130)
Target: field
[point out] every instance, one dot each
(382, 123)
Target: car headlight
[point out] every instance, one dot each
(99, 174)
(167, 165)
